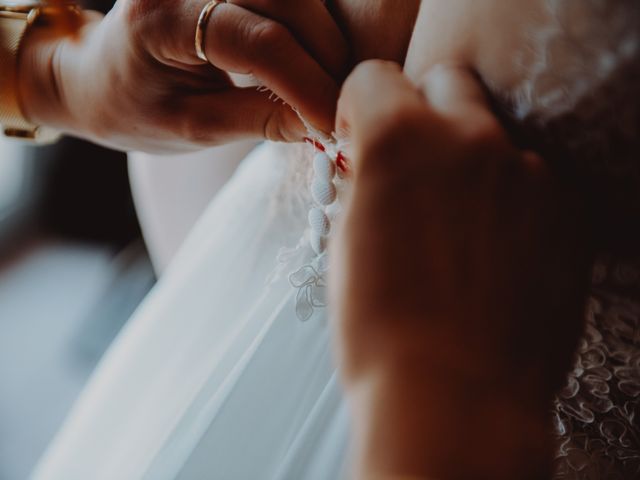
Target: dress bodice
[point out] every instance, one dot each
(578, 104)
(597, 415)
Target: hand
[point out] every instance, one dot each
(458, 282)
(133, 80)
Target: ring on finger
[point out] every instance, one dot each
(201, 28)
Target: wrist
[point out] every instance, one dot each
(44, 78)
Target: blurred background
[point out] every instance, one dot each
(73, 268)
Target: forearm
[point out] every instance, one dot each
(420, 422)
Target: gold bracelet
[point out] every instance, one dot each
(15, 20)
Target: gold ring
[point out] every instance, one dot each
(201, 28)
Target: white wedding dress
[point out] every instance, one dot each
(216, 377)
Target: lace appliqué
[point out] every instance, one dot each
(312, 291)
(306, 272)
(597, 417)
(327, 184)
(305, 265)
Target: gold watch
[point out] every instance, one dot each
(16, 17)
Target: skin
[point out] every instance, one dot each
(444, 340)
(294, 48)
(418, 34)
(447, 359)
(149, 91)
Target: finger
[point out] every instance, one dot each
(253, 116)
(312, 25)
(457, 94)
(240, 41)
(377, 98)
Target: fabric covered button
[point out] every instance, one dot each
(324, 167)
(319, 221)
(324, 193)
(318, 243)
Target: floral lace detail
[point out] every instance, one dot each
(312, 291)
(597, 415)
(576, 105)
(578, 50)
(306, 264)
(304, 268)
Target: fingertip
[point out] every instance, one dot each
(254, 115)
(283, 124)
(375, 90)
(454, 77)
(454, 90)
(378, 66)
(364, 72)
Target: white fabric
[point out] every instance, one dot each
(215, 376)
(172, 191)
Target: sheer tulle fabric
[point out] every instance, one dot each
(215, 376)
